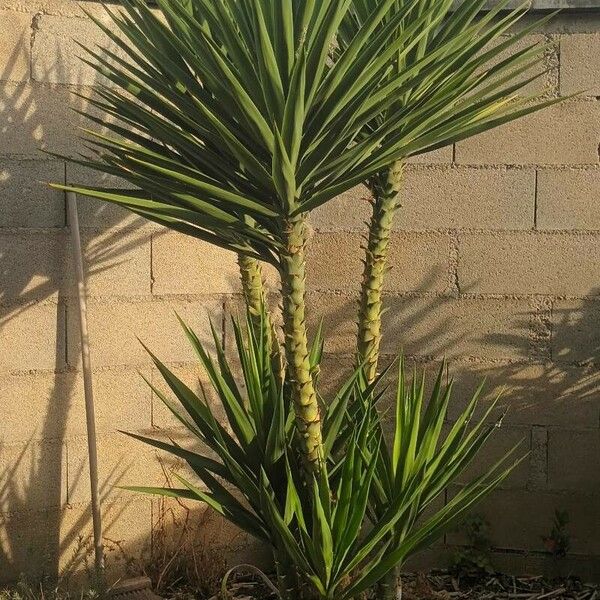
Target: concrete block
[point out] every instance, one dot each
(117, 263)
(34, 337)
(55, 52)
(573, 460)
(445, 327)
(122, 461)
(32, 265)
(15, 45)
(418, 262)
(127, 533)
(502, 441)
(524, 263)
(96, 213)
(564, 134)
(32, 476)
(544, 394)
(208, 269)
(434, 157)
(52, 405)
(339, 315)
(39, 406)
(520, 520)
(38, 265)
(27, 200)
(221, 543)
(568, 199)
(336, 369)
(467, 198)
(434, 327)
(540, 85)
(41, 118)
(580, 64)
(575, 331)
(36, 544)
(29, 542)
(348, 212)
(585, 568)
(154, 322)
(538, 459)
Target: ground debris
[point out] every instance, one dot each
(441, 584)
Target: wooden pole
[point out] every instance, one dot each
(87, 379)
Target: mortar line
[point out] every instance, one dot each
(66, 446)
(552, 302)
(535, 200)
(559, 62)
(224, 322)
(152, 264)
(65, 219)
(66, 333)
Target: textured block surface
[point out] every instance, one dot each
(25, 196)
(564, 134)
(418, 262)
(208, 269)
(14, 45)
(153, 322)
(468, 199)
(569, 199)
(493, 264)
(524, 264)
(580, 64)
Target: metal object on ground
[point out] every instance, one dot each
(139, 588)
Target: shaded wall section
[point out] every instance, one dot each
(495, 265)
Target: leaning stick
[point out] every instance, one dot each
(87, 379)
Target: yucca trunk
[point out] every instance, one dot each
(390, 587)
(386, 203)
(287, 580)
(252, 285)
(293, 285)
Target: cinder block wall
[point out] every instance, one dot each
(495, 265)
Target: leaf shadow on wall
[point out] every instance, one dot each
(39, 384)
(544, 353)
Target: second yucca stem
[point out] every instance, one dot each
(385, 205)
(293, 283)
(255, 296)
(252, 285)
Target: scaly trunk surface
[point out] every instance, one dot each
(252, 285)
(256, 299)
(390, 587)
(293, 283)
(386, 203)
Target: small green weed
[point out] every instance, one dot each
(558, 543)
(474, 560)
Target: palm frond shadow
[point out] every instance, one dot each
(35, 270)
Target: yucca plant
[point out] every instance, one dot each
(233, 122)
(452, 86)
(317, 532)
(233, 119)
(455, 82)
